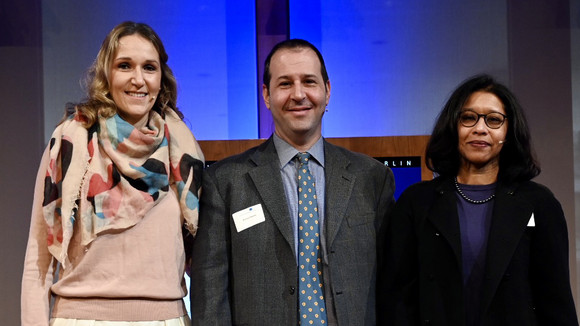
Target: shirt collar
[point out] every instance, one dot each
(286, 152)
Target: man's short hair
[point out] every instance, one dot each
(293, 44)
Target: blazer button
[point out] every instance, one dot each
(291, 290)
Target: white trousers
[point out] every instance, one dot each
(181, 321)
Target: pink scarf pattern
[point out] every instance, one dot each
(111, 175)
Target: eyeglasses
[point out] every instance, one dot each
(494, 120)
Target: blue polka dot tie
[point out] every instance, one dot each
(311, 295)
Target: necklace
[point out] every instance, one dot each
(469, 199)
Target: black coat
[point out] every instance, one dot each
(526, 279)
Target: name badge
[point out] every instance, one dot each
(248, 217)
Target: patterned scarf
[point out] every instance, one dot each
(111, 175)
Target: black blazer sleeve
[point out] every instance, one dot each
(549, 263)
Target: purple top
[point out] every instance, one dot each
(474, 224)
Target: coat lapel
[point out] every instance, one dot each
(268, 182)
(444, 218)
(509, 221)
(339, 185)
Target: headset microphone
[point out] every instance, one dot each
(501, 142)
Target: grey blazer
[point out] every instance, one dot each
(250, 277)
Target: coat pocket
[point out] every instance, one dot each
(360, 219)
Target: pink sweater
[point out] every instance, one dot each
(134, 275)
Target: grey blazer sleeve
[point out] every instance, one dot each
(210, 303)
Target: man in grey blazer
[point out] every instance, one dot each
(245, 268)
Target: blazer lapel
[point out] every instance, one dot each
(268, 182)
(444, 218)
(339, 185)
(509, 221)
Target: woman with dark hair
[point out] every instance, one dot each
(480, 244)
(116, 194)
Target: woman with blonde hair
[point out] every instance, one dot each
(116, 194)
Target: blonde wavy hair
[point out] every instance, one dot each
(100, 102)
